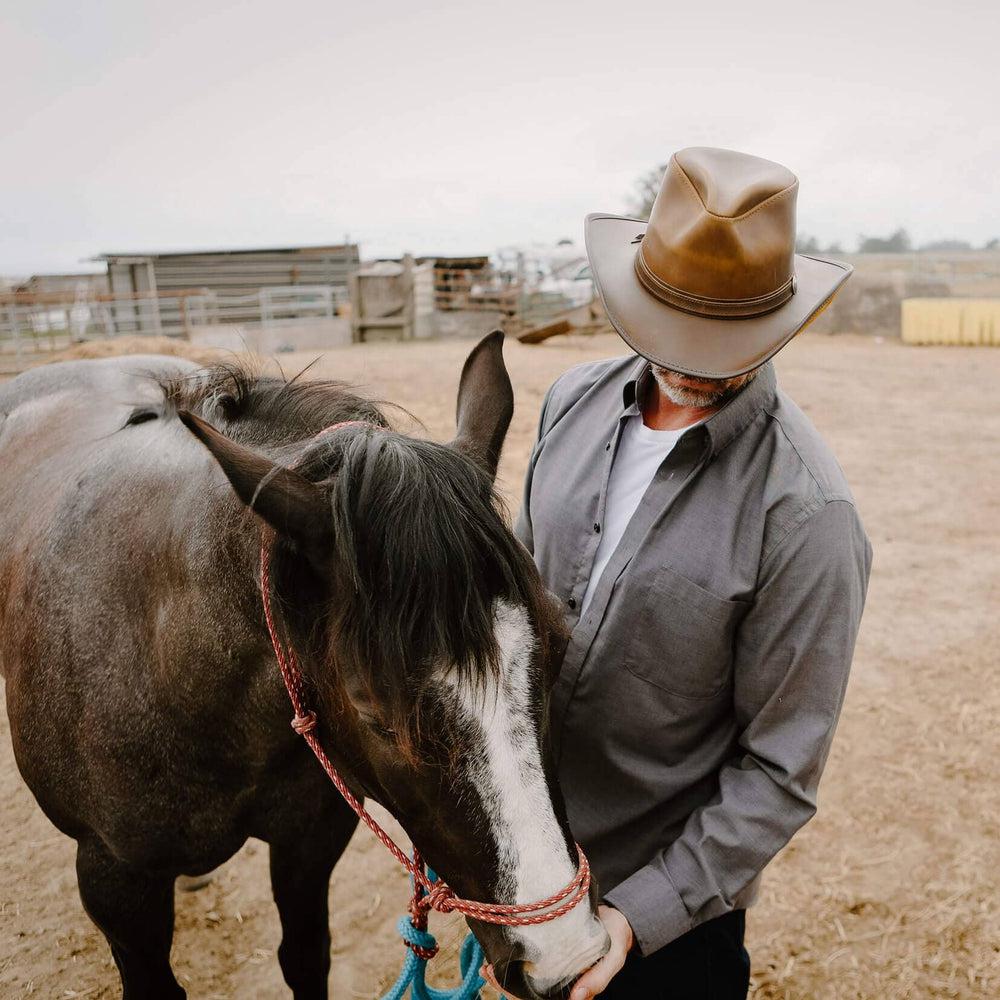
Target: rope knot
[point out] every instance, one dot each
(305, 723)
(440, 897)
(420, 941)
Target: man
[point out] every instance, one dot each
(713, 570)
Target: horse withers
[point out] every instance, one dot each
(146, 708)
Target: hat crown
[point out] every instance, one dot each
(721, 234)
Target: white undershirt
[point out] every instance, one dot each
(641, 452)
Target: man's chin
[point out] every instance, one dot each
(692, 398)
(684, 391)
(697, 393)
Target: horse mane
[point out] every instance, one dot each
(422, 548)
(259, 408)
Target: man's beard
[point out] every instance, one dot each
(723, 389)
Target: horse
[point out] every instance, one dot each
(146, 708)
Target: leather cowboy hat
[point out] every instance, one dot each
(711, 286)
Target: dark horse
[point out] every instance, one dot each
(146, 709)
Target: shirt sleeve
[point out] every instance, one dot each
(522, 527)
(792, 656)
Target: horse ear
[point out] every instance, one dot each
(485, 403)
(290, 503)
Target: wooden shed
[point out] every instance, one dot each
(233, 272)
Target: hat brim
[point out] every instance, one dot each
(697, 345)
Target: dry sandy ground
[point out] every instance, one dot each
(892, 891)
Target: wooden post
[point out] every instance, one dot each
(354, 289)
(409, 309)
(108, 308)
(154, 301)
(15, 332)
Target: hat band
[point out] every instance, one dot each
(701, 305)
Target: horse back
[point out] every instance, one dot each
(127, 602)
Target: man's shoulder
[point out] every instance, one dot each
(575, 381)
(580, 380)
(807, 458)
(804, 483)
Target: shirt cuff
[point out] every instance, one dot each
(653, 908)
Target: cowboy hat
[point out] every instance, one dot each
(711, 286)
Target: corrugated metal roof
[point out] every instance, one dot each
(349, 248)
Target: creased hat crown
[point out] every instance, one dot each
(721, 235)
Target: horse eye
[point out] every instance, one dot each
(384, 731)
(141, 415)
(228, 405)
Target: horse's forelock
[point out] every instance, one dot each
(422, 554)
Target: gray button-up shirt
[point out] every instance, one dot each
(699, 693)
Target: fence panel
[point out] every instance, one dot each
(38, 324)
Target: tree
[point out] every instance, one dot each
(947, 245)
(647, 187)
(993, 244)
(809, 244)
(898, 242)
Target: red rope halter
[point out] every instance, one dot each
(428, 894)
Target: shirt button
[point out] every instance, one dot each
(572, 602)
(597, 528)
(607, 447)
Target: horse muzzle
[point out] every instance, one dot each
(529, 980)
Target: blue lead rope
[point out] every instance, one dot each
(414, 969)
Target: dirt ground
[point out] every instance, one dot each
(892, 891)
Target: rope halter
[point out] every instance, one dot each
(428, 893)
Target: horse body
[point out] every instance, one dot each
(146, 710)
(105, 524)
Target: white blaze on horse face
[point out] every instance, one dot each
(534, 861)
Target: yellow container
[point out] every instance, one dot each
(951, 321)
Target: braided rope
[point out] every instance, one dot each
(423, 946)
(414, 971)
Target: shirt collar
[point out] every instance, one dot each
(722, 427)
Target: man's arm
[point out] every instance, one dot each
(791, 661)
(522, 527)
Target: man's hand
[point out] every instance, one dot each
(596, 979)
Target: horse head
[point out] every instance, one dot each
(430, 645)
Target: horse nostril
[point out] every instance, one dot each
(553, 987)
(560, 991)
(515, 981)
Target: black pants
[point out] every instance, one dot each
(707, 963)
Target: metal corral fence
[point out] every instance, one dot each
(34, 323)
(951, 321)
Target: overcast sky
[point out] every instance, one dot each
(462, 127)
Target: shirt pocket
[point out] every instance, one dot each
(682, 639)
